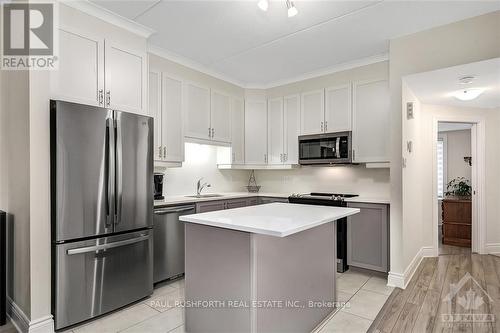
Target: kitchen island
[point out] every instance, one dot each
(266, 268)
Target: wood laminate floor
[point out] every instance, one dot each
(451, 293)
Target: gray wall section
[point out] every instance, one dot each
(227, 265)
(15, 175)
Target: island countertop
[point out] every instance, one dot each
(274, 219)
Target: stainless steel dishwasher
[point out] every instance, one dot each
(169, 242)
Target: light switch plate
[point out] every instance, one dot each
(409, 146)
(409, 110)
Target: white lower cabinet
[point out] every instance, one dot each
(367, 237)
(370, 121)
(238, 131)
(165, 106)
(255, 132)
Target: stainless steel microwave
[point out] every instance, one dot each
(327, 148)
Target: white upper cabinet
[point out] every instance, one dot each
(125, 79)
(338, 109)
(291, 123)
(80, 76)
(172, 119)
(220, 116)
(197, 112)
(238, 131)
(155, 112)
(275, 131)
(370, 121)
(312, 112)
(255, 132)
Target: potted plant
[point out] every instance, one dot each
(459, 188)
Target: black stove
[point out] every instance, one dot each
(330, 199)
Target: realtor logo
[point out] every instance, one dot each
(28, 38)
(470, 299)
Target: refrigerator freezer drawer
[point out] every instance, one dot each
(169, 241)
(96, 276)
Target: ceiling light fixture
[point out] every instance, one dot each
(466, 79)
(467, 94)
(263, 5)
(292, 10)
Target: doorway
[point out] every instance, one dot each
(454, 187)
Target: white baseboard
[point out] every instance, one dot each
(401, 280)
(492, 248)
(23, 324)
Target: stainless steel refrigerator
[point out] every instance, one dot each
(102, 210)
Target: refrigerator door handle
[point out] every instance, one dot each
(88, 249)
(119, 172)
(110, 172)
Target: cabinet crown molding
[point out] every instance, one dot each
(108, 16)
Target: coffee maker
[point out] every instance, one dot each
(158, 186)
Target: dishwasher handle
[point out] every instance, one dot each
(173, 210)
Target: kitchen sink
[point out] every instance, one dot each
(204, 196)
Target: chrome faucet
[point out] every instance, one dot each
(200, 186)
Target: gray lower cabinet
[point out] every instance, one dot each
(210, 206)
(253, 201)
(367, 237)
(236, 203)
(266, 200)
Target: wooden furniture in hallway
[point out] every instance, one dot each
(457, 222)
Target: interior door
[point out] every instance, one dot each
(312, 112)
(125, 78)
(172, 119)
(338, 112)
(155, 111)
(80, 76)
(197, 114)
(291, 122)
(275, 131)
(134, 171)
(238, 131)
(80, 163)
(220, 116)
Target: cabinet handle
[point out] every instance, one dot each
(100, 96)
(209, 132)
(322, 127)
(213, 132)
(326, 126)
(159, 151)
(282, 159)
(164, 152)
(353, 155)
(285, 157)
(234, 157)
(108, 98)
(265, 158)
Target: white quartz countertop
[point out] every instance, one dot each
(182, 199)
(274, 219)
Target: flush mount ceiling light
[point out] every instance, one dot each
(292, 10)
(466, 79)
(467, 94)
(263, 5)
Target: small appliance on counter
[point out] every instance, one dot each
(330, 199)
(158, 186)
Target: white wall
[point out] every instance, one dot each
(458, 146)
(201, 161)
(492, 176)
(458, 43)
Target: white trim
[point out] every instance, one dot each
(492, 248)
(42, 325)
(181, 60)
(478, 180)
(184, 61)
(104, 14)
(324, 71)
(401, 280)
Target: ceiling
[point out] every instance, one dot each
(447, 127)
(253, 48)
(435, 87)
